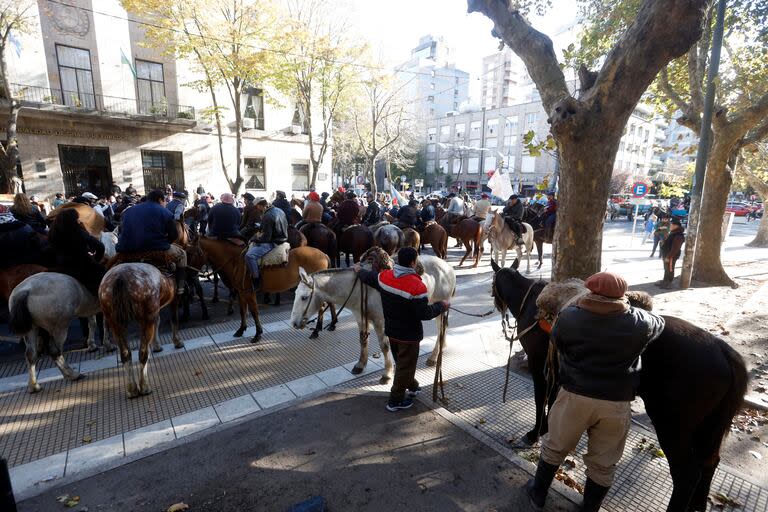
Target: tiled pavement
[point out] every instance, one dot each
(71, 428)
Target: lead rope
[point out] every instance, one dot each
(438, 381)
(364, 313)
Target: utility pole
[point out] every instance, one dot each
(702, 154)
(482, 146)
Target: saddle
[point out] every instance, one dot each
(159, 259)
(277, 257)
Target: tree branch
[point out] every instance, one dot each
(533, 47)
(741, 123)
(694, 82)
(757, 134)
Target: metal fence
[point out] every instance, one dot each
(85, 102)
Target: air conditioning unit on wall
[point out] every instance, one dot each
(249, 123)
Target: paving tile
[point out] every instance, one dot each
(224, 337)
(94, 454)
(93, 365)
(46, 469)
(236, 408)
(203, 341)
(275, 395)
(194, 421)
(306, 385)
(371, 367)
(335, 376)
(275, 326)
(52, 374)
(147, 437)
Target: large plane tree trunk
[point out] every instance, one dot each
(761, 187)
(587, 130)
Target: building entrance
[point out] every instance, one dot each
(85, 169)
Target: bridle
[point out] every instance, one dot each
(311, 286)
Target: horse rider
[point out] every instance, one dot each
(513, 216)
(550, 212)
(670, 251)
(348, 211)
(251, 218)
(404, 300)
(274, 231)
(455, 208)
(149, 226)
(224, 219)
(408, 216)
(24, 211)
(599, 341)
(312, 212)
(77, 253)
(19, 241)
(282, 203)
(427, 212)
(374, 212)
(58, 200)
(177, 205)
(106, 210)
(327, 214)
(482, 207)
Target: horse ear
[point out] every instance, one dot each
(495, 266)
(516, 263)
(304, 276)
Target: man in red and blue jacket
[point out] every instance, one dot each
(405, 300)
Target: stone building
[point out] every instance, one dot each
(99, 107)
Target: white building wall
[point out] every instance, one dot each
(112, 35)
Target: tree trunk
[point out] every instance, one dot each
(8, 165)
(586, 173)
(372, 172)
(238, 181)
(761, 187)
(707, 267)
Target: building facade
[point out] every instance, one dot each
(641, 145)
(679, 150)
(99, 107)
(499, 82)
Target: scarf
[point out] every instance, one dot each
(601, 305)
(401, 271)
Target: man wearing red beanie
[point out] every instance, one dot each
(599, 341)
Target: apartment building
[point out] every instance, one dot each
(641, 145)
(99, 107)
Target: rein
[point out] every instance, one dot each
(438, 382)
(476, 315)
(343, 305)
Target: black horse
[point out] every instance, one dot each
(692, 384)
(535, 215)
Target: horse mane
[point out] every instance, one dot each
(498, 300)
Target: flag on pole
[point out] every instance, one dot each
(500, 185)
(124, 60)
(16, 44)
(397, 199)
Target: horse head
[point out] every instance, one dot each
(510, 289)
(305, 301)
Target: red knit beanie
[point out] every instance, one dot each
(607, 284)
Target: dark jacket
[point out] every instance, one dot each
(599, 354)
(251, 216)
(35, 219)
(203, 209)
(224, 221)
(348, 212)
(670, 248)
(146, 227)
(75, 247)
(372, 214)
(405, 303)
(514, 211)
(408, 215)
(176, 208)
(284, 205)
(428, 213)
(19, 244)
(274, 227)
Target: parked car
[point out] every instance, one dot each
(738, 208)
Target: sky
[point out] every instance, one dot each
(394, 27)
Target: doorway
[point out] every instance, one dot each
(85, 169)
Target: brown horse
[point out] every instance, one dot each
(229, 261)
(411, 238)
(355, 240)
(323, 238)
(195, 262)
(470, 233)
(436, 236)
(296, 238)
(138, 291)
(12, 276)
(91, 221)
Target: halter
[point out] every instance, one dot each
(312, 293)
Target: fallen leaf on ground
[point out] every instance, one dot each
(376, 355)
(721, 500)
(198, 373)
(72, 502)
(178, 507)
(63, 498)
(87, 439)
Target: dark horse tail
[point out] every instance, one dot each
(714, 428)
(20, 318)
(122, 304)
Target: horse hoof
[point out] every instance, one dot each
(314, 336)
(132, 391)
(431, 362)
(256, 338)
(157, 349)
(357, 370)
(92, 348)
(385, 379)
(35, 389)
(145, 391)
(239, 333)
(77, 376)
(178, 344)
(331, 327)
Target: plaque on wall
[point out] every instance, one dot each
(68, 19)
(321, 176)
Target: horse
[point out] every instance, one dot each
(470, 233)
(355, 240)
(411, 238)
(340, 286)
(195, 262)
(41, 308)
(138, 291)
(323, 238)
(11, 277)
(502, 238)
(389, 237)
(692, 384)
(435, 235)
(534, 216)
(296, 238)
(229, 261)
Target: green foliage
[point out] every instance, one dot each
(536, 147)
(667, 191)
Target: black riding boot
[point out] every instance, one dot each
(538, 487)
(593, 496)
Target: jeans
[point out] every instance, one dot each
(656, 240)
(254, 255)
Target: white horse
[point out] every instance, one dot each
(109, 239)
(41, 309)
(337, 286)
(502, 238)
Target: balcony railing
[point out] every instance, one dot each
(85, 102)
